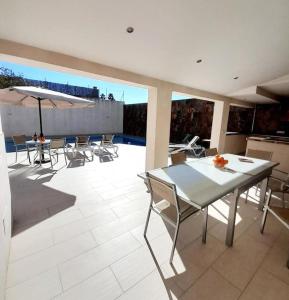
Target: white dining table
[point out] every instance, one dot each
(200, 183)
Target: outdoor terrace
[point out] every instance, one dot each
(78, 234)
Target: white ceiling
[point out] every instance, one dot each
(245, 38)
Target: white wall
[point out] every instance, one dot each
(106, 117)
(5, 215)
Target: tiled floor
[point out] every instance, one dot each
(78, 235)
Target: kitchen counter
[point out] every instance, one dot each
(279, 146)
(270, 139)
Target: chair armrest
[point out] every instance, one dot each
(282, 172)
(284, 184)
(277, 179)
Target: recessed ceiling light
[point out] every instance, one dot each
(198, 61)
(237, 77)
(130, 29)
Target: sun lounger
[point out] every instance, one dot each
(192, 147)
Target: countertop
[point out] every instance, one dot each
(270, 139)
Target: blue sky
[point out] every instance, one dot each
(131, 94)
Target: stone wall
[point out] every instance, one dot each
(106, 117)
(240, 119)
(190, 116)
(271, 118)
(135, 119)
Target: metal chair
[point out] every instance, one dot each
(20, 142)
(107, 143)
(82, 143)
(166, 203)
(280, 213)
(279, 183)
(178, 158)
(259, 154)
(211, 152)
(55, 146)
(53, 149)
(82, 140)
(107, 139)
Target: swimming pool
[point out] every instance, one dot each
(118, 139)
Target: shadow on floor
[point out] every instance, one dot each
(32, 202)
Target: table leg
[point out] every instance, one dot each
(41, 159)
(92, 153)
(232, 217)
(205, 225)
(263, 193)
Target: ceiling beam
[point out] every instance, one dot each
(33, 56)
(265, 93)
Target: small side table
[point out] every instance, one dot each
(41, 159)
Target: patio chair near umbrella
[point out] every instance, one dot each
(31, 96)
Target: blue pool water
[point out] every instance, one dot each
(118, 139)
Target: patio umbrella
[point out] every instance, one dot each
(31, 96)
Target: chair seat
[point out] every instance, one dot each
(282, 212)
(169, 211)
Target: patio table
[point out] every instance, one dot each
(200, 183)
(39, 146)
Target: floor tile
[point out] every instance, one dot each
(126, 208)
(133, 267)
(212, 286)
(44, 286)
(193, 261)
(83, 266)
(270, 234)
(27, 243)
(30, 266)
(122, 225)
(101, 286)
(239, 263)
(85, 224)
(153, 287)
(156, 227)
(275, 261)
(265, 287)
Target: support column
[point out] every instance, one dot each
(158, 127)
(5, 215)
(219, 126)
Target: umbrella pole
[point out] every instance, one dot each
(40, 115)
(41, 130)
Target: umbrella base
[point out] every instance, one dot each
(42, 161)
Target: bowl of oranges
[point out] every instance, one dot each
(219, 161)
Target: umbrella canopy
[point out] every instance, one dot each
(34, 96)
(28, 96)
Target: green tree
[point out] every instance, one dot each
(8, 78)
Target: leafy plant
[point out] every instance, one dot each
(8, 78)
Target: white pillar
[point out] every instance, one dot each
(219, 126)
(5, 215)
(158, 127)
